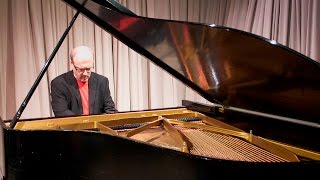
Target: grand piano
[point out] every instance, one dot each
(263, 120)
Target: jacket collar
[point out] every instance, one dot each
(74, 89)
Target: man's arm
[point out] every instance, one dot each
(109, 106)
(59, 101)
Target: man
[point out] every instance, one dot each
(81, 91)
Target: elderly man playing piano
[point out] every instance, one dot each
(81, 91)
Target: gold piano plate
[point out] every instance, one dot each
(182, 130)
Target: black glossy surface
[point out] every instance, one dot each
(83, 155)
(224, 65)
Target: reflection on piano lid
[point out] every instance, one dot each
(226, 66)
(263, 121)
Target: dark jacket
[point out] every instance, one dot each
(66, 100)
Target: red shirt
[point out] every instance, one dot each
(84, 93)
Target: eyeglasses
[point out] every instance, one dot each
(81, 70)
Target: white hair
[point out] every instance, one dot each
(81, 52)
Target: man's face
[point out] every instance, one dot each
(82, 68)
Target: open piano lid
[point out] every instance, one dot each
(229, 67)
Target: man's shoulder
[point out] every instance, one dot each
(98, 76)
(61, 77)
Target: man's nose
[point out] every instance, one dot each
(85, 72)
